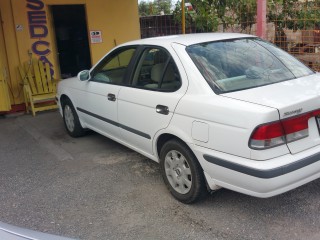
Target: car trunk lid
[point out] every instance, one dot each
(290, 98)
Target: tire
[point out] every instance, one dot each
(182, 172)
(71, 120)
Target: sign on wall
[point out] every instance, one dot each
(38, 30)
(96, 36)
(19, 27)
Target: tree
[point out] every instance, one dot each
(163, 6)
(294, 15)
(210, 14)
(143, 8)
(156, 7)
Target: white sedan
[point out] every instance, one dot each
(215, 110)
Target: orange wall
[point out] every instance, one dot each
(118, 21)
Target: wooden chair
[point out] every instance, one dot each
(38, 86)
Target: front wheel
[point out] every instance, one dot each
(71, 120)
(181, 172)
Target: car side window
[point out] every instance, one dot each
(156, 70)
(113, 68)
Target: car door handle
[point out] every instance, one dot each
(162, 109)
(111, 97)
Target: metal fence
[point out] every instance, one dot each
(295, 26)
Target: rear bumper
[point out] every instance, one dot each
(259, 178)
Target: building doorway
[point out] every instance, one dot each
(71, 38)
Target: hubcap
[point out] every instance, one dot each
(178, 172)
(69, 118)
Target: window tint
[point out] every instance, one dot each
(244, 63)
(113, 68)
(156, 70)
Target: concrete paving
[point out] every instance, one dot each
(94, 188)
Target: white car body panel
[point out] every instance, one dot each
(226, 134)
(187, 39)
(94, 93)
(86, 95)
(138, 114)
(296, 94)
(137, 110)
(216, 127)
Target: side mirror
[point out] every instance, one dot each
(84, 75)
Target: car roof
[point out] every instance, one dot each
(187, 39)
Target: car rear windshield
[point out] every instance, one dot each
(238, 64)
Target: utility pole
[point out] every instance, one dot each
(183, 15)
(262, 18)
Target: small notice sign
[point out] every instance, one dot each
(19, 27)
(96, 36)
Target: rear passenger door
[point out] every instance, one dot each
(147, 105)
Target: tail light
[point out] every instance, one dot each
(280, 132)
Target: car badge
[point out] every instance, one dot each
(294, 112)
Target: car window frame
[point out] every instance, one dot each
(126, 77)
(140, 52)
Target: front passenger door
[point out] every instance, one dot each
(99, 98)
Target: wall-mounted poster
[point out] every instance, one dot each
(96, 36)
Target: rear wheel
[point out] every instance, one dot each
(71, 120)
(181, 172)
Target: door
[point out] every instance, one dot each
(148, 105)
(4, 93)
(71, 39)
(98, 98)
